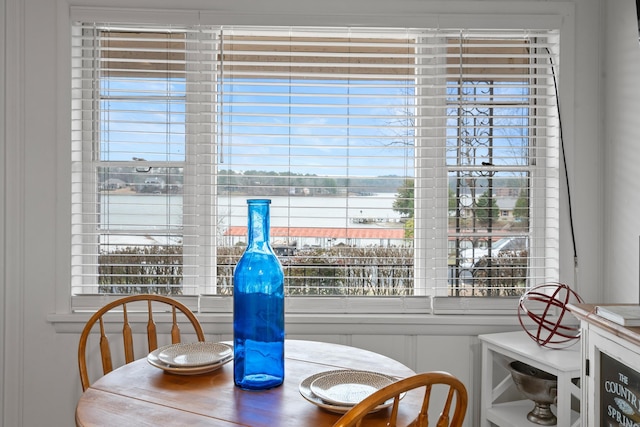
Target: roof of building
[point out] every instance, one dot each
(328, 232)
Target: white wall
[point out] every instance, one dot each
(621, 144)
(40, 384)
(2, 194)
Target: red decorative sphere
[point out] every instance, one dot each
(546, 305)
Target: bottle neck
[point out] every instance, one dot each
(258, 227)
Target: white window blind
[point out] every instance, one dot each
(393, 158)
(502, 160)
(143, 159)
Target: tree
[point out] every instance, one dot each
(409, 231)
(329, 185)
(453, 201)
(404, 199)
(486, 208)
(521, 210)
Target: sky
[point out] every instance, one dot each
(315, 127)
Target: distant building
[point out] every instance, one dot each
(153, 185)
(113, 184)
(506, 206)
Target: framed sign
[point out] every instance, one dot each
(619, 393)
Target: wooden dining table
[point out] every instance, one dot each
(139, 394)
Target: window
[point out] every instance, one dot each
(395, 158)
(501, 158)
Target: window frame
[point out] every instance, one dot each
(553, 20)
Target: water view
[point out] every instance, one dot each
(354, 211)
(149, 213)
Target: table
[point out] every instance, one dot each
(501, 348)
(142, 395)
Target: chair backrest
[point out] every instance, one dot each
(452, 385)
(120, 305)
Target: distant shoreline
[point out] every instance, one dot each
(129, 191)
(121, 191)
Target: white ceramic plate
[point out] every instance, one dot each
(305, 391)
(153, 359)
(347, 388)
(190, 355)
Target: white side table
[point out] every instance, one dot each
(499, 407)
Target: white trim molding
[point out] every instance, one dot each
(13, 195)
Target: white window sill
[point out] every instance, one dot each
(335, 315)
(337, 305)
(329, 324)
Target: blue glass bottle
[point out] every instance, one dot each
(258, 307)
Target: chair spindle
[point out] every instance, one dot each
(175, 330)
(127, 336)
(152, 336)
(105, 352)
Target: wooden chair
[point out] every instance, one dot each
(354, 417)
(120, 305)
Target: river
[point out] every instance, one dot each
(151, 211)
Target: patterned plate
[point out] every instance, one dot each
(153, 359)
(194, 354)
(305, 391)
(347, 388)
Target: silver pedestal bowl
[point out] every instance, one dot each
(539, 386)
